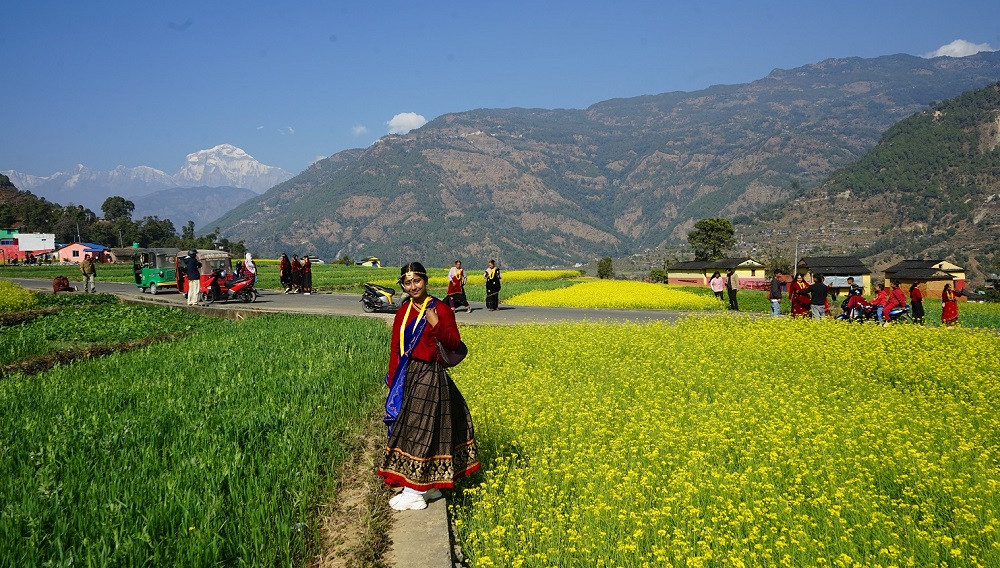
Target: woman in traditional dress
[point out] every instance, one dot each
(306, 275)
(285, 272)
(431, 442)
(917, 303)
(799, 302)
(949, 306)
(718, 285)
(456, 288)
(296, 275)
(492, 277)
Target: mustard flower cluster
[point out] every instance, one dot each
(14, 298)
(732, 442)
(622, 294)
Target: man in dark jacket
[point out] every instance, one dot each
(194, 277)
(817, 296)
(775, 293)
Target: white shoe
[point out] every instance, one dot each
(395, 499)
(409, 501)
(432, 495)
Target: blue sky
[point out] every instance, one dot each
(146, 83)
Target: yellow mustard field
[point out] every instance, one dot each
(623, 294)
(732, 442)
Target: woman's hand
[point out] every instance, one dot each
(432, 317)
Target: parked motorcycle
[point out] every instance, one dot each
(380, 299)
(221, 289)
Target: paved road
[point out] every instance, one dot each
(350, 305)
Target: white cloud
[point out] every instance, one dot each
(405, 122)
(260, 128)
(960, 48)
(286, 130)
(359, 129)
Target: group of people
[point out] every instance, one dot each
(457, 279)
(730, 284)
(295, 274)
(814, 299)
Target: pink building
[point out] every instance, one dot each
(74, 252)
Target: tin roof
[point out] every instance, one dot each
(834, 265)
(722, 263)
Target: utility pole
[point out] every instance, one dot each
(795, 265)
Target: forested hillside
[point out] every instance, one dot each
(930, 188)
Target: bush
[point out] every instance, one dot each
(658, 276)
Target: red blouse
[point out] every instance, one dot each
(426, 350)
(916, 295)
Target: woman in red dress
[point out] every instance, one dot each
(799, 302)
(949, 306)
(431, 441)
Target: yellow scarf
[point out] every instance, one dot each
(406, 316)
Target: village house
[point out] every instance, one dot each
(931, 274)
(74, 252)
(19, 247)
(698, 272)
(836, 270)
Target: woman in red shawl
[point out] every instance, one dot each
(431, 441)
(949, 306)
(799, 302)
(456, 288)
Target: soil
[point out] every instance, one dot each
(355, 524)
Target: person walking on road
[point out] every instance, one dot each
(492, 277)
(193, 270)
(431, 441)
(456, 288)
(89, 270)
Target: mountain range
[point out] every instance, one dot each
(558, 186)
(222, 166)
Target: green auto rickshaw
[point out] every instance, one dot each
(155, 268)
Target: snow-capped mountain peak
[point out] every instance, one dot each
(224, 165)
(227, 165)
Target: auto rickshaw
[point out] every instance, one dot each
(155, 268)
(211, 260)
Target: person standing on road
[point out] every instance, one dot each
(89, 270)
(306, 275)
(775, 293)
(431, 442)
(732, 285)
(285, 272)
(193, 269)
(296, 275)
(492, 277)
(456, 288)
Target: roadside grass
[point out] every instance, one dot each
(214, 448)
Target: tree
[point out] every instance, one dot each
(604, 268)
(711, 238)
(116, 207)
